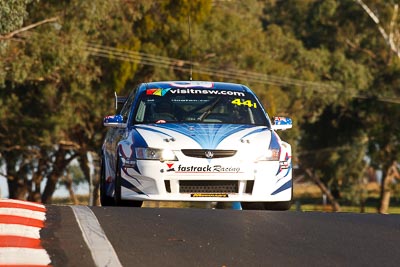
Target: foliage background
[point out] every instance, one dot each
(325, 63)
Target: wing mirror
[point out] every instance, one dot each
(114, 121)
(281, 123)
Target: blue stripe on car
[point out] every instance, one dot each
(138, 140)
(274, 141)
(130, 186)
(153, 130)
(256, 131)
(208, 136)
(287, 185)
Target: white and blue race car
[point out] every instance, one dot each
(195, 141)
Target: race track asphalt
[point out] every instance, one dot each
(214, 237)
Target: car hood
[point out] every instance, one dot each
(204, 136)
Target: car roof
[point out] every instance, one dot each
(195, 85)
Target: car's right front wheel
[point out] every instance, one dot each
(282, 205)
(117, 194)
(104, 199)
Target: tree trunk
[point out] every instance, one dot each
(50, 188)
(17, 187)
(68, 184)
(391, 174)
(92, 177)
(59, 166)
(335, 205)
(37, 178)
(96, 179)
(84, 164)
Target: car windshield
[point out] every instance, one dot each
(235, 108)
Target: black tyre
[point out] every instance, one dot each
(281, 205)
(284, 205)
(104, 199)
(117, 195)
(252, 206)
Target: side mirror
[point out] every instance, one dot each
(114, 121)
(281, 123)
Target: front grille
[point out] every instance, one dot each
(208, 186)
(202, 153)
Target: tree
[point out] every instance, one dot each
(385, 141)
(329, 123)
(12, 14)
(390, 34)
(73, 176)
(308, 59)
(48, 86)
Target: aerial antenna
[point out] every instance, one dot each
(190, 45)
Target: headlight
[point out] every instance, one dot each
(154, 154)
(271, 154)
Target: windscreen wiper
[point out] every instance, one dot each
(208, 111)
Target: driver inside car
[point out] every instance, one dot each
(163, 112)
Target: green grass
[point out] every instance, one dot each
(344, 208)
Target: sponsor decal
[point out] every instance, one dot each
(246, 103)
(197, 90)
(283, 165)
(183, 91)
(207, 169)
(205, 92)
(157, 91)
(170, 167)
(209, 195)
(129, 163)
(219, 168)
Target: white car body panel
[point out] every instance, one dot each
(241, 167)
(215, 161)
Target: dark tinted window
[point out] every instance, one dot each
(221, 107)
(128, 104)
